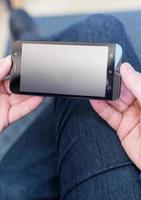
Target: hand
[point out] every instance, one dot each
(124, 114)
(13, 107)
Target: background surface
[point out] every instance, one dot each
(62, 7)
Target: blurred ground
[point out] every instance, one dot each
(61, 7)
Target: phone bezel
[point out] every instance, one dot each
(16, 66)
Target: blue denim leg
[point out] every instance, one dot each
(102, 29)
(91, 161)
(28, 171)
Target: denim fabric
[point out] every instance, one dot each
(82, 158)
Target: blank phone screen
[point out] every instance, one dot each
(64, 69)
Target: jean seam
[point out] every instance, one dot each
(97, 174)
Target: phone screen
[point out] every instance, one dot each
(64, 69)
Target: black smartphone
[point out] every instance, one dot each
(86, 70)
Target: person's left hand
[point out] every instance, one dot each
(124, 114)
(13, 107)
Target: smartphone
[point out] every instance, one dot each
(84, 70)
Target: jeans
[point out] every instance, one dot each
(82, 159)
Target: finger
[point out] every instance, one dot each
(126, 99)
(4, 107)
(5, 65)
(4, 87)
(131, 117)
(126, 96)
(118, 105)
(107, 112)
(132, 80)
(23, 108)
(6, 84)
(16, 99)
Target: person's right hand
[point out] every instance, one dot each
(124, 114)
(12, 106)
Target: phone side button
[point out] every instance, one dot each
(109, 88)
(15, 68)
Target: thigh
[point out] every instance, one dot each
(28, 171)
(91, 161)
(101, 29)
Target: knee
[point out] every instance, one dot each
(20, 22)
(105, 21)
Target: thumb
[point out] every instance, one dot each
(131, 79)
(5, 65)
